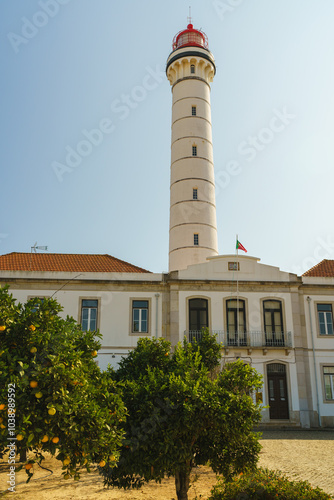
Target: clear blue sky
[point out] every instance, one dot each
(97, 62)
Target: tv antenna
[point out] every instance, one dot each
(35, 247)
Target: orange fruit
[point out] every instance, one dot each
(102, 463)
(38, 395)
(52, 411)
(32, 328)
(2, 407)
(33, 350)
(2, 328)
(33, 384)
(94, 353)
(45, 439)
(28, 466)
(55, 440)
(19, 437)
(67, 461)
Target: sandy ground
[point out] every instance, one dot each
(306, 455)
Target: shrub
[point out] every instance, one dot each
(266, 484)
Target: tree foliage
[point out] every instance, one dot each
(209, 349)
(49, 382)
(268, 485)
(179, 416)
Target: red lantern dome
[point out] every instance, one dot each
(190, 37)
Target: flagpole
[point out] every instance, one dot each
(237, 289)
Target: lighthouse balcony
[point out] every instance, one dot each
(253, 339)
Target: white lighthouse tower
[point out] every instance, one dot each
(193, 228)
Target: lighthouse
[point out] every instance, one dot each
(190, 69)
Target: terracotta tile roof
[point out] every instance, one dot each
(324, 269)
(88, 263)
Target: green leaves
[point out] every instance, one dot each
(58, 386)
(180, 416)
(263, 483)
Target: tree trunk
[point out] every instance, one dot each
(182, 480)
(23, 455)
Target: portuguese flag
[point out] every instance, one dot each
(240, 246)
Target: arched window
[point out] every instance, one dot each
(236, 322)
(273, 322)
(192, 68)
(198, 314)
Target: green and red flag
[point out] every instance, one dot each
(240, 246)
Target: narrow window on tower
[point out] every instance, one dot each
(193, 110)
(195, 194)
(194, 150)
(196, 239)
(192, 68)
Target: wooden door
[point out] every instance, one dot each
(277, 391)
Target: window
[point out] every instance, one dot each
(195, 194)
(325, 317)
(234, 266)
(193, 110)
(236, 322)
(329, 382)
(89, 315)
(192, 68)
(273, 322)
(198, 315)
(140, 316)
(196, 239)
(194, 150)
(38, 301)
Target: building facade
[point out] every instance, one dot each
(278, 322)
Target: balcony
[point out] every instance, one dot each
(245, 339)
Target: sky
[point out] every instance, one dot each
(86, 126)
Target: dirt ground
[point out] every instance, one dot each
(306, 455)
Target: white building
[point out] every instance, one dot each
(278, 322)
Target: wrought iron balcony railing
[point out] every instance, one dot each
(244, 339)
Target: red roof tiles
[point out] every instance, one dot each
(65, 262)
(324, 269)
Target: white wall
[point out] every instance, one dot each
(114, 312)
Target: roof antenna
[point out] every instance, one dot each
(189, 17)
(34, 248)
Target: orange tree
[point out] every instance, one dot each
(53, 396)
(179, 416)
